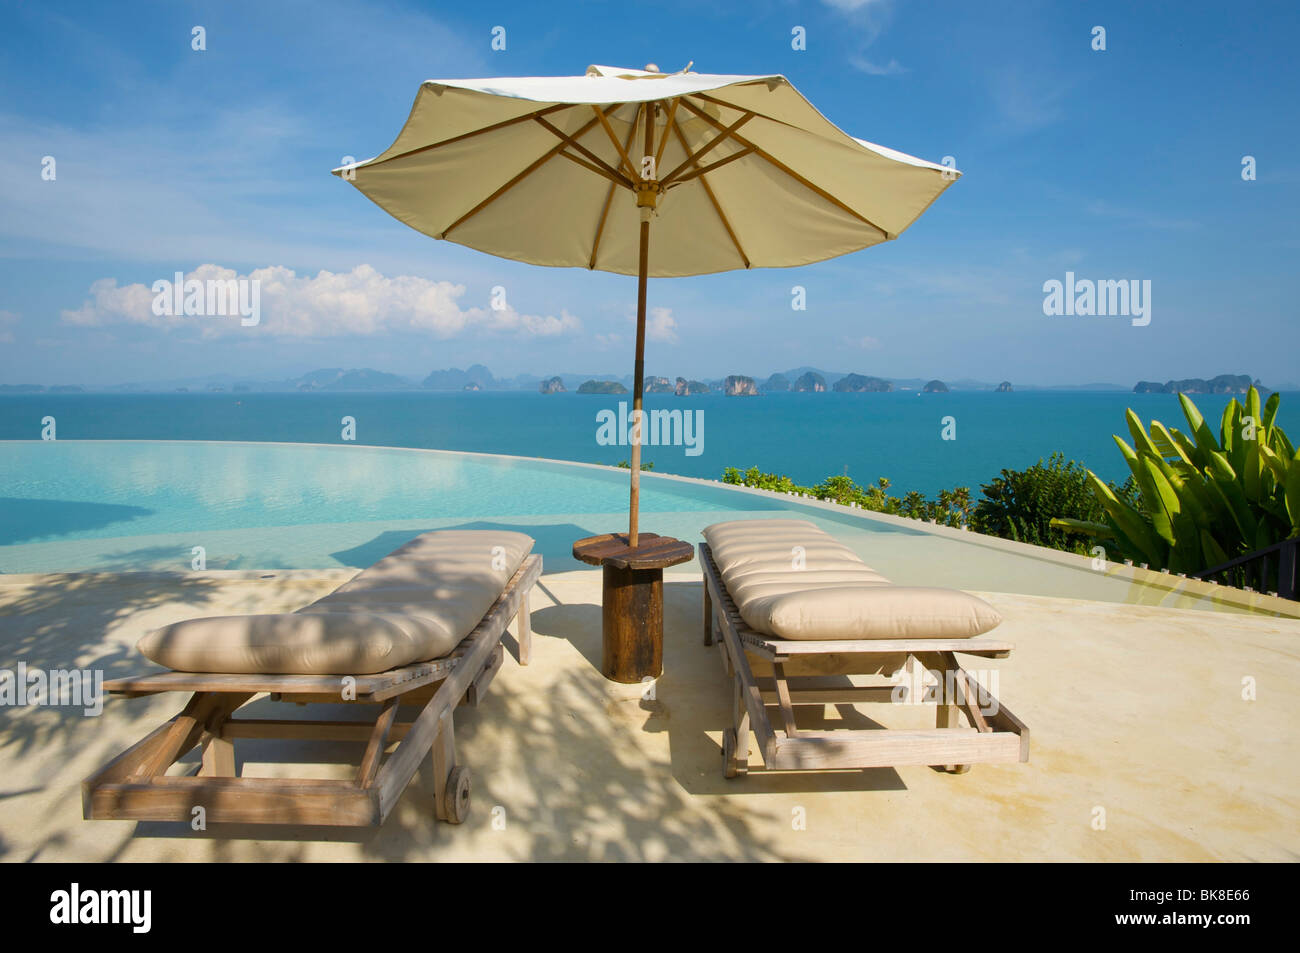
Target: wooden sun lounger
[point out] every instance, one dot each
(135, 785)
(998, 736)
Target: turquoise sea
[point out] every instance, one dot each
(806, 436)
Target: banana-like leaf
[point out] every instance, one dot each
(1084, 527)
(1270, 409)
(1141, 442)
(1279, 444)
(1129, 523)
(1291, 492)
(1158, 496)
(1220, 469)
(1253, 412)
(1250, 481)
(1228, 428)
(1214, 554)
(1189, 500)
(1168, 446)
(1186, 447)
(1205, 441)
(1163, 442)
(1235, 500)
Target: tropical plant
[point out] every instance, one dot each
(1021, 504)
(950, 507)
(1201, 501)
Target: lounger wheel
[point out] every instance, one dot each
(732, 766)
(458, 794)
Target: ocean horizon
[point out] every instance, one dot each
(808, 437)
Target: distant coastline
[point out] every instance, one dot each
(478, 378)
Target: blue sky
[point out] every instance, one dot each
(1122, 164)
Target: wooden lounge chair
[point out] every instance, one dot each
(135, 785)
(760, 557)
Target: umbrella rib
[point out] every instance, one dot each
(609, 170)
(609, 198)
(532, 167)
(476, 132)
(765, 156)
(609, 131)
(713, 199)
(701, 170)
(692, 159)
(672, 114)
(614, 178)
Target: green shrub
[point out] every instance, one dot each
(1021, 504)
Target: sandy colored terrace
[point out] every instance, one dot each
(1134, 709)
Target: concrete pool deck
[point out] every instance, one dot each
(1134, 710)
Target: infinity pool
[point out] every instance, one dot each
(141, 505)
(178, 506)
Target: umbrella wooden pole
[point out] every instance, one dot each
(647, 197)
(638, 383)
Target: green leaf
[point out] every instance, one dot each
(1085, 527)
(1270, 409)
(1129, 522)
(1158, 494)
(1291, 491)
(1200, 431)
(1238, 508)
(1214, 554)
(1228, 428)
(1140, 439)
(1250, 470)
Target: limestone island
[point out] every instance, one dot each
(1223, 384)
(860, 384)
(737, 385)
(601, 387)
(687, 388)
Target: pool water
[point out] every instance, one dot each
(178, 506)
(78, 505)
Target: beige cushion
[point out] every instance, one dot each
(791, 580)
(414, 605)
(356, 643)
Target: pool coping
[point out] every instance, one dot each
(1169, 583)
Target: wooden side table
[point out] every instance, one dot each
(632, 600)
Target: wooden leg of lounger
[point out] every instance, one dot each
(218, 757)
(947, 714)
(735, 741)
(451, 781)
(187, 729)
(524, 636)
(218, 750)
(708, 615)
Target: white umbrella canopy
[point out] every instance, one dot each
(482, 163)
(733, 172)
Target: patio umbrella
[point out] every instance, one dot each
(731, 172)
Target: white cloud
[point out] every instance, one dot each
(867, 343)
(1025, 100)
(7, 320)
(892, 68)
(359, 302)
(851, 6)
(660, 325)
